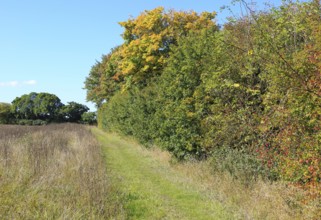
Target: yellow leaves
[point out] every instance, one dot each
(150, 59)
(127, 67)
(149, 37)
(184, 22)
(189, 25)
(190, 114)
(145, 68)
(147, 22)
(208, 15)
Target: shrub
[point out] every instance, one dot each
(5, 115)
(39, 122)
(24, 122)
(89, 118)
(240, 165)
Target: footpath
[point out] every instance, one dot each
(151, 187)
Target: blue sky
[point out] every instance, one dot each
(50, 45)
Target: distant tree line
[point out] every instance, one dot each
(43, 108)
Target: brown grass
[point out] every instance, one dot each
(53, 172)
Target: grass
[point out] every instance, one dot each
(53, 172)
(64, 172)
(256, 200)
(153, 189)
(156, 187)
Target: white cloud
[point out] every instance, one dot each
(13, 83)
(9, 84)
(17, 83)
(30, 82)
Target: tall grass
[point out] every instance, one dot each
(53, 172)
(246, 197)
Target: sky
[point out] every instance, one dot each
(51, 45)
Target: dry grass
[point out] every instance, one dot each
(259, 200)
(53, 172)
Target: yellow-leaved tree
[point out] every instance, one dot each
(149, 37)
(148, 40)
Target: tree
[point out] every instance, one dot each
(102, 83)
(43, 106)
(251, 88)
(148, 40)
(181, 101)
(89, 118)
(73, 111)
(23, 107)
(46, 106)
(5, 114)
(150, 37)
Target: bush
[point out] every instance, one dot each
(89, 118)
(30, 122)
(5, 115)
(24, 122)
(39, 122)
(240, 165)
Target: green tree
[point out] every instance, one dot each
(180, 106)
(5, 113)
(89, 118)
(103, 81)
(46, 106)
(73, 111)
(43, 106)
(23, 107)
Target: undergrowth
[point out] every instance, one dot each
(233, 180)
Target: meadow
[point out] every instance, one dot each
(72, 171)
(53, 172)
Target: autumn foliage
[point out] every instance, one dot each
(251, 87)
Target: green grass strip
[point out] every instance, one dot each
(152, 189)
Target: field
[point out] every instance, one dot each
(71, 171)
(53, 172)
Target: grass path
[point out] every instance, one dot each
(152, 189)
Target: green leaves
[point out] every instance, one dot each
(104, 79)
(73, 111)
(45, 107)
(251, 87)
(5, 113)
